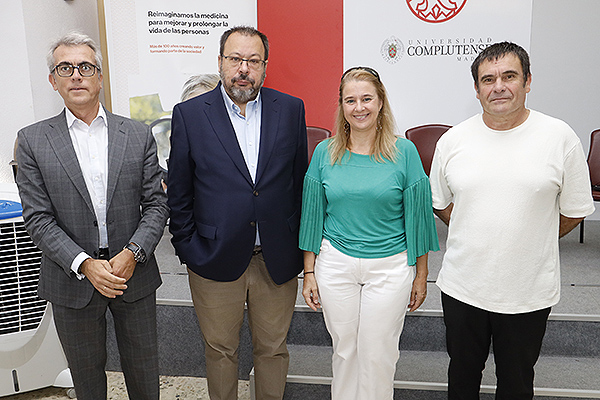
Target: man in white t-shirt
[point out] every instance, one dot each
(508, 182)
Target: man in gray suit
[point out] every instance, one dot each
(89, 183)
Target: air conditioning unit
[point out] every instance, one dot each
(31, 356)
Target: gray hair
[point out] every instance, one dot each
(74, 39)
(198, 84)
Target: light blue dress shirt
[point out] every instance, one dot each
(247, 131)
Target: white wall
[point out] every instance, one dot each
(16, 103)
(565, 64)
(27, 27)
(565, 59)
(45, 21)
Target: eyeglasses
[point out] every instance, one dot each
(368, 69)
(253, 63)
(66, 70)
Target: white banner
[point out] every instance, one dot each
(155, 45)
(423, 50)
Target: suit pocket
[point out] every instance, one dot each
(206, 231)
(294, 221)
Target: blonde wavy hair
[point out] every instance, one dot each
(384, 146)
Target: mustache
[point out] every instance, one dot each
(243, 77)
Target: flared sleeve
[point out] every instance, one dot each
(421, 235)
(313, 215)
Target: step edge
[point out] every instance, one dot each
(440, 386)
(417, 313)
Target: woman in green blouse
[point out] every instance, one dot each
(367, 224)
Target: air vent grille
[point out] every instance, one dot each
(20, 307)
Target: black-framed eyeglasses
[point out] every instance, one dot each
(368, 69)
(253, 63)
(66, 70)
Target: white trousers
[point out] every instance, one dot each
(364, 303)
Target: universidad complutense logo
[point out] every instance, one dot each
(392, 50)
(435, 11)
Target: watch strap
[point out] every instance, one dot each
(138, 253)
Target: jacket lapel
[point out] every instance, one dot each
(269, 128)
(62, 145)
(117, 143)
(223, 129)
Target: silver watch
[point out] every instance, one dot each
(138, 253)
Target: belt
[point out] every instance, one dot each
(103, 253)
(257, 250)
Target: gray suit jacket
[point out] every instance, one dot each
(59, 214)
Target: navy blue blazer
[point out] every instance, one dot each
(214, 204)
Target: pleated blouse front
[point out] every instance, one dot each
(366, 208)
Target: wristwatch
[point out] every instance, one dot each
(138, 253)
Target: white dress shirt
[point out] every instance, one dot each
(91, 147)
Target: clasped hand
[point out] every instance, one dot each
(110, 277)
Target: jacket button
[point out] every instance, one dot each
(253, 224)
(95, 223)
(255, 193)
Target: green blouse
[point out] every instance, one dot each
(368, 209)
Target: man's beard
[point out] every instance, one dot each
(242, 95)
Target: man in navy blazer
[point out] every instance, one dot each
(237, 163)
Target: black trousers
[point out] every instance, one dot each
(516, 338)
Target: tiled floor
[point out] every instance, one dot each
(171, 387)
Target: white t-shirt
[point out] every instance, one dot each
(508, 189)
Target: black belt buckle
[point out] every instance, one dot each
(103, 253)
(257, 250)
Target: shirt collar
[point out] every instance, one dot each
(232, 107)
(71, 118)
